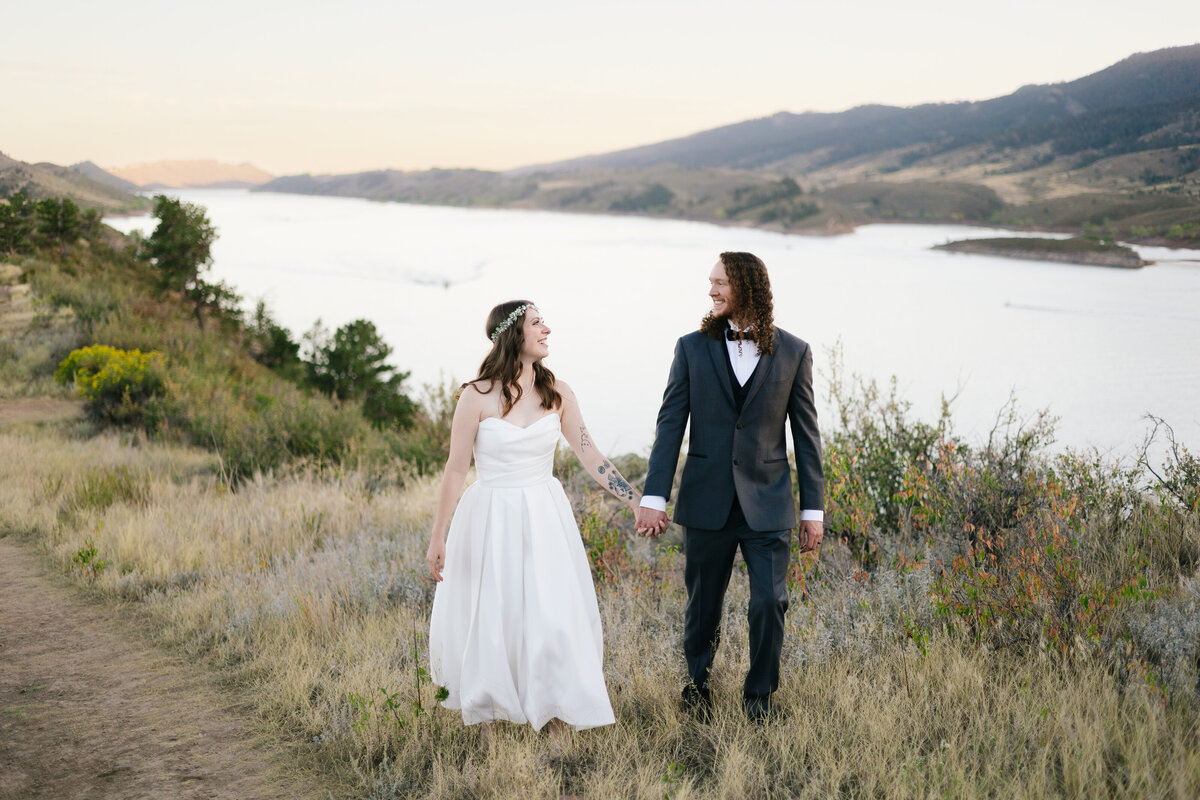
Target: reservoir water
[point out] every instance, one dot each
(1100, 348)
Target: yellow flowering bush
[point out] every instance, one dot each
(118, 384)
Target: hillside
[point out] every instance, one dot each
(1092, 115)
(193, 174)
(1115, 153)
(40, 181)
(99, 175)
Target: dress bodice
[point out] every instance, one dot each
(509, 456)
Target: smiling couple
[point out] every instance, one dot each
(515, 629)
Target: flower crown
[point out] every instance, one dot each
(508, 321)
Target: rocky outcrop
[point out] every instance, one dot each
(19, 308)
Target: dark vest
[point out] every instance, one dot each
(739, 391)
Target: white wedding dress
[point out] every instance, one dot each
(515, 628)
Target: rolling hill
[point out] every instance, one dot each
(99, 175)
(1145, 101)
(50, 180)
(1114, 153)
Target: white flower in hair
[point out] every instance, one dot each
(508, 321)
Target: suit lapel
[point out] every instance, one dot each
(720, 358)
(765, 363)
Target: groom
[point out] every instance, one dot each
(740, 380)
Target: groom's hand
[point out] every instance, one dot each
(651, 522)
(811, 533)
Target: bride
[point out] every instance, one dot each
(515, 629)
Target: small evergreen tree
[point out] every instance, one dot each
(350, 365)
(9, 236)
(91, 224)
(181, 249)
(271, 344)
(16, 224)
(58, 222)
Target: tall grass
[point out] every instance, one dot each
(985, 619)
(306, 588)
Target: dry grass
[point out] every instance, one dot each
(306, 590)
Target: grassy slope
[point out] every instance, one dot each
(216, 394)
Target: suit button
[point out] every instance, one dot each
(737, 462)
(738, 426)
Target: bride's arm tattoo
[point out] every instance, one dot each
(616, 483)
(600, 468)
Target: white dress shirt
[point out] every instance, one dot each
(743, 355)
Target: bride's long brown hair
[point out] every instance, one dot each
(502, 365)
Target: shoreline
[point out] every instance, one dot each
(832, 228)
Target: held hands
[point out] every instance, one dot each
(811, 533)
(651, 522)
(435, 556)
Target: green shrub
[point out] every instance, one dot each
(87, 560)
(257, 422)
(1036, 584)
(119, 385)
(877, 459)
(426, 443)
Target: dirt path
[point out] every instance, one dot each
(87, 710)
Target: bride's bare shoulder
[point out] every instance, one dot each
(564, 389)
(476, 388)
(473, 398)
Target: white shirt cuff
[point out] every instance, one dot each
(654, 502)
(660, 504)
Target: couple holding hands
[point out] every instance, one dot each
(515, 629)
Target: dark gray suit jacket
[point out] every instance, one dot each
(746, 452)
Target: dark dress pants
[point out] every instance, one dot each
(708, 565)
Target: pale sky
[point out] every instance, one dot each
(304, 86)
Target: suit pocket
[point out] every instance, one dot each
(775, 460)
(696, 455)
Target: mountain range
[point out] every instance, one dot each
(1116, 152)
(191, 174)
(1118, 148)
(1090, 115)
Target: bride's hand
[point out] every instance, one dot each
(435, 557)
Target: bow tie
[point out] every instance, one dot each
(739, 336)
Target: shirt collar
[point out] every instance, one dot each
(734, 326)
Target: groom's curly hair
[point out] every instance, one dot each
(501, 367)
(753, 303)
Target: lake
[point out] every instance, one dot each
(1098, 347)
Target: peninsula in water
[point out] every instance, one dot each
(1068, 251)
